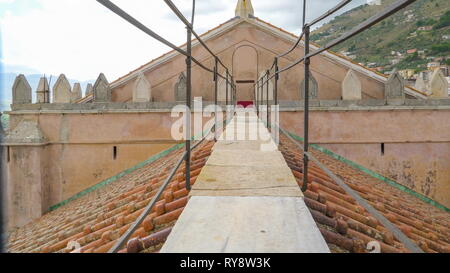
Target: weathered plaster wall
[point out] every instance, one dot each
(229, 47)
(423, 167)
(26, 195)
(417, 144)
(80, 154)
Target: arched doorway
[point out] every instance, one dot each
(245, 72)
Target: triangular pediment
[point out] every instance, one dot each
(269, 29)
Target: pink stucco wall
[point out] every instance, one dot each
(248, 51)
(79, 154)
(417, 144)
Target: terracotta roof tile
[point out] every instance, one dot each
(348, 227)
(97, 220)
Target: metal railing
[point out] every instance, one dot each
(307, 156)
(187, 52)
(262, 85)
(401, 237)
(264, 81)
(148, 209)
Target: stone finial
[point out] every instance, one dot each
(102, 90)
(438, 85)
(21, 91)
(76, 92)
(244, 9)
(181, 88)
(62, 91)
(313, 88)
(420, 84)
(395, 87)
(142, 90)
(351, 87)
(89, 89)
(43, 91)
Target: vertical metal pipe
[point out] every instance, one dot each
(261, 96)
(267, 99)
(216, 62)
(226, 100)
(260, 86)
(188, 108)
(257, 97)
(304, 13)
(306, 111)
(2, 205)
(275, 90)
(227, 89)
(234, 96)
(233, 91)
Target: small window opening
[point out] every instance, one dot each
(8, 154)
(115, 152)
(382, 148)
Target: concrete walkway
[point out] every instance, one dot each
(246, 200)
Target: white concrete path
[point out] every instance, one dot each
(246, 200)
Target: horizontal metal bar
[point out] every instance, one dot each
(292, 48)
(147, 210)
(367, 24)
(360, 28)
(111, 6)
(177, 12)
(330, 12)
(410, 245)
(246, 81)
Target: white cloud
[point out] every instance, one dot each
(83, 38)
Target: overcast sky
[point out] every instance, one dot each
(81, 38)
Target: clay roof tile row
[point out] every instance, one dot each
(94, 223)
(348, 227)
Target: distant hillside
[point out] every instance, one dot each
(424, 26)
(7, 81)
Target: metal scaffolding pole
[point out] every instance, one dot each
(216, 62)
(277, 77)
(257, 97)
(227, 88)
(306, 111)
(2, 205)
(267, 99)
(189, 101)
